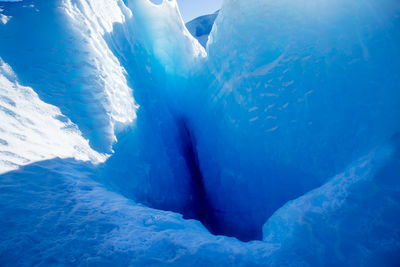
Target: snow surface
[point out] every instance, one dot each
(283, 132)
(78, 64)
(55, 213)
(32, 130)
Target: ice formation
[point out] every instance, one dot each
(201, 27)
(280, 127)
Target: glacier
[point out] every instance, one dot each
(266, 134)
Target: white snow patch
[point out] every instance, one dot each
(32, 130)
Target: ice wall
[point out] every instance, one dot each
(253, 116)
(296, 93)
(153, 162)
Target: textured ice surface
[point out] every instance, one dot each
(284, 129)
(31, 130)
(297, 92)
(150, 163)
(351, 220)
(55, 212)
(60, 51)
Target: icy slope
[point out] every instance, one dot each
(54, 213)
(85, 56)
(351, 220)
(61, 53)
(63, 217)
(32, 130)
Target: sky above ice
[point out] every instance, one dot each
(191, 9)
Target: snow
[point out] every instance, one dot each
(32, 130)
(353, 211)
(60, 215)
(78, 65)
(63, 217)
(281, 131)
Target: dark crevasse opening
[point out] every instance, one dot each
(178, 183)
(157, 162)
(191, 153)
(203, 209)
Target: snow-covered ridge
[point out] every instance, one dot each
(75, 62)
(32, 130)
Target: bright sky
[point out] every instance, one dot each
(191, 9)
